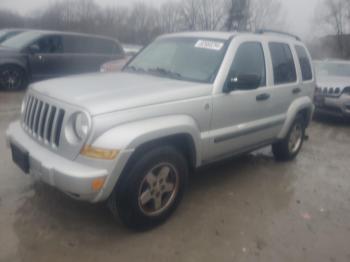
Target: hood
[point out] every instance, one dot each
(103, 93)
(333, 82)
(5, 51)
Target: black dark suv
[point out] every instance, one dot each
(37, 55)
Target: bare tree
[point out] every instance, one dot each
(190, 14)
(211, 14)
(266, 14)
(170, 18)
(10, 19)
(144, 23)
(238, 15)
(113, 21)
(334, 16)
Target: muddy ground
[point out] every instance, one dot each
(245, 209)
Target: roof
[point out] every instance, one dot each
(203, 34)
(227, 35)
(335, 61)
(60, 32)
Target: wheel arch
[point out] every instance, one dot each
(302, 106)
(15, 63)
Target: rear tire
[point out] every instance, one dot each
(288, 148)
(152, 188)
(12, 78)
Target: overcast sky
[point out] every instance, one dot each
(299, 12)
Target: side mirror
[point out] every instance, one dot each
(242, 82)
(34, 49)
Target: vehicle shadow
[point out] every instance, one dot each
(332, 120)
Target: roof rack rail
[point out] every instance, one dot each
(264, 31)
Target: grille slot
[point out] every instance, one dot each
(331, 91)
(43, 121)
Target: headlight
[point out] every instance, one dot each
(81, 125)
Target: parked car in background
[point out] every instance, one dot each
(332, 94)
(37, 55)
(187, 100)
(8, 33)
(117, 65)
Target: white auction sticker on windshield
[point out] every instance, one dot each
(212, 45)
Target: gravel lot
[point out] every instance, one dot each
(245, 209)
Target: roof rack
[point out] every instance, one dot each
(264, 31)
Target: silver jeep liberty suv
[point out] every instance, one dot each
(188, 99)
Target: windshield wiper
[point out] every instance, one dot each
(135, 69)
(165, 72)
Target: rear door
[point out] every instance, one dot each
(285, 77)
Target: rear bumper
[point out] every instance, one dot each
(73, 178)
(338, 106)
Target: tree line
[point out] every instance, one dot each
(140, 23)
(332, 20)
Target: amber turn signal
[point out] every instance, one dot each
(97, 184)
(99, 153)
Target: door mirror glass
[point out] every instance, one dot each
(243, 82)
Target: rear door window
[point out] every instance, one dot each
(98, 46)
(305, 64)
(88, 45)
(72, 44)
(283, 64)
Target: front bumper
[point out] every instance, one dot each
(73, 178)
(336, 106)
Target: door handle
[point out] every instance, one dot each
(263, 97)
(296, 91)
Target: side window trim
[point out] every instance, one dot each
(261, 44)
(309, 61)
(294, 63)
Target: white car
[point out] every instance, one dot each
(186, 100)
(332, 94)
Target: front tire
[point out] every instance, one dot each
(12, 78)
(152, 189)
(288, 148)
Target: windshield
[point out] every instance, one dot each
(4, 35)
(333, 69)
(22, 40)
(190, 59)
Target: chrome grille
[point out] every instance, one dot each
(43, 121)
(331, 91)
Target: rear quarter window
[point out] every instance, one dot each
(305, 63)
(283, 64)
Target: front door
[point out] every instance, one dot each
(244, 117)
